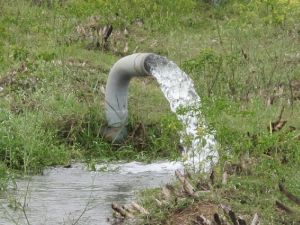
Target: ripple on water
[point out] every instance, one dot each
(60, 195)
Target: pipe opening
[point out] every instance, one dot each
(154, 60)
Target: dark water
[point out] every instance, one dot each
(60, 195)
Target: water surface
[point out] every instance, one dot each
(60, 195)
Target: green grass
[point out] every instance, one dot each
(242, 55)
(245, 77)
(52, 87)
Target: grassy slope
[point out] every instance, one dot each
(247, 60)
(52, 105)
(240, 55)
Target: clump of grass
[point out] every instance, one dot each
(26, 146)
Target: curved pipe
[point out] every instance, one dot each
(116, 93)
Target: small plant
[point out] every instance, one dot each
(3, 177)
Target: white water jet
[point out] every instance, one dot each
(201, 153)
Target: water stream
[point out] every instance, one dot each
(200, 147)
(60, 195)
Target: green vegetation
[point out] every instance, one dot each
(52, 73)
(247, 72)
(244, 57)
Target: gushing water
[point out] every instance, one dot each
(179, 90)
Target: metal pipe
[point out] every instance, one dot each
(116, 93)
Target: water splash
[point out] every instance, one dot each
(201, 153)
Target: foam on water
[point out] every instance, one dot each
(179, 90)
(138, 167)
